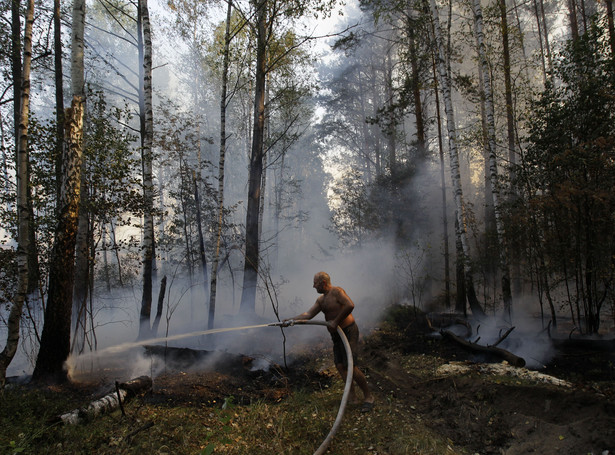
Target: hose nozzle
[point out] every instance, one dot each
(288, 323)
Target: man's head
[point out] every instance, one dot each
(322, 282)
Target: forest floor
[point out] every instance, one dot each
(432, 397)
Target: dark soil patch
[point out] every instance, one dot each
(488, 414)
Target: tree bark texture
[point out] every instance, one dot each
(147, 133)
(202, 256)
(489, 351)
(221, 163)
(493, 165)
(55, 340)
(57, 54)
(109, 402)
(454, 160)
(251, 264)
(84, 232)
(447, 274)
(23, 212)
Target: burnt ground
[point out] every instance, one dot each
(480, 412)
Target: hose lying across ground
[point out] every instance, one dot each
(347, 388)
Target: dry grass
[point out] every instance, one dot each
(296, 425)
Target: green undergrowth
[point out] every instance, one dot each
(296, 425)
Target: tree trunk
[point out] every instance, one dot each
(546, 35)
(57, 45)
(55, 340)
(572, 16)
(454, 163)
(391, 127)
(492, 351)
(251, 264)
(163, 289)
(23, 213)
(416, 93)
(493, 167)
(221, 161)
(202, 256)
(611, 27)
(512, 153)
(447, 276)
(109, 402)
(147, 133)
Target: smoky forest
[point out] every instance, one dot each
(176, 168)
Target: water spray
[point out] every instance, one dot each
(347, 387)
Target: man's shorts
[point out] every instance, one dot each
(339, 351)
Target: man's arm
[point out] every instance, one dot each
(309, 314)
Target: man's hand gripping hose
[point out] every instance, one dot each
(347, 387)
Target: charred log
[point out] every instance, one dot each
(491, 352)
(438, 322)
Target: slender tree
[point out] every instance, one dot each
(147, 132)
(454, 160)
(55, 340)
(221, 163)
(23, 211)
(493, 162)
(252, 258)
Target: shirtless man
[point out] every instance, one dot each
(337, 308)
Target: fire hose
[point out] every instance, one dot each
(347, 387)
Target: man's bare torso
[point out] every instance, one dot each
(331, 305)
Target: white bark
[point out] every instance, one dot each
(148, 183)
(492, 147)
(453, 155)
(109, 402)
(23, 217)
(95, 408)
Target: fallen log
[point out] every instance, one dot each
(489, 351)
(437, 322)
(122, 393)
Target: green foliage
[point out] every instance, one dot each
(568, 175)
(354, 216)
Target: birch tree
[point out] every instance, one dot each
(55, 340)
(221, 164)
(454, 159)
(147, 132)
(492, 148)
(23, 212)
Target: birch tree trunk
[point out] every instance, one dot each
(147, 133)
(84, 231)
(55, 339)
(493, 165)
(57, 54)
(23, 213)
(454, 161)
(221, 162)
(512, 152)
(447, 273)
(416, 93)
(199, 223)
(611, 27)
(251, 264)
